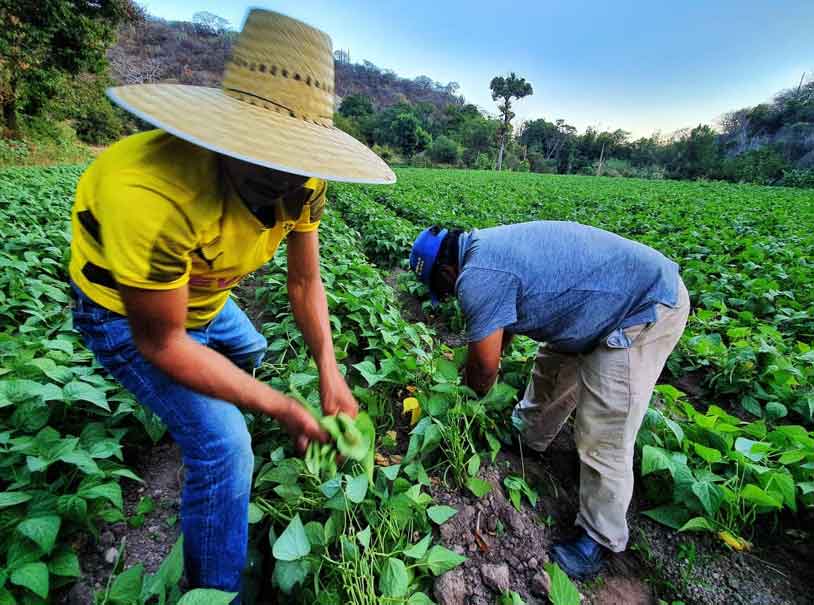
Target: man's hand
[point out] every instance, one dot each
(335, 395)
(301, 425)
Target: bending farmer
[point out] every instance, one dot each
(166, 223)
(607, 312)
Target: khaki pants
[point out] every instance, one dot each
(610, 390)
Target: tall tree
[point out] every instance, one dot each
(505, 89)
(41, 41)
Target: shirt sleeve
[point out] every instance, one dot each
(488, 300)
(146, 238)
(312, 210)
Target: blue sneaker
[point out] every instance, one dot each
(581, 559)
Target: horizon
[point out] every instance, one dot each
(629, 70)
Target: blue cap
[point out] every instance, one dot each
(422, 257)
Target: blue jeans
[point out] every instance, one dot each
(212, 434)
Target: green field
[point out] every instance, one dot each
(732, 456)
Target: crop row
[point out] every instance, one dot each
(63, 424)
(746, 258)
(744, 251)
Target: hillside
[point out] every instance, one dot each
(155, 50)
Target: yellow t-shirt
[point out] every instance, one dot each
(152, 212)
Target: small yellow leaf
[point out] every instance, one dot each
(411, 389)
(411, 404)
(734, 542)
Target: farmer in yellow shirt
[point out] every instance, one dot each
(165, 225)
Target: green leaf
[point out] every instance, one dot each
(109, 491)
(754, 450)
(446, 370)
(350, 441)
(292, 544)
(792, 457)
(473, 466)
(752, 493)
(81, 391)
(806, 487)
(255, 513)
(441, 514)
(6, 598)
(709, 454)
(672, 515)
(13, 498)
(783, 483)
(419, 598)
(357, 489)
(419, 549)
(207, 596)
(288, 574)
(440, 560)
(391, 472)
(65, 564)
(776, 410)
(82, 460)
(364, 537)
(126, 587)
(655, 459)
(710, 496)
(563, 591)
(169, 573)
(479, 487)
(368, 429)
(369, 372)
(33, 576)
(510, 598)
(697, 524)
(41, 530)
(394, 579)
(18, 391)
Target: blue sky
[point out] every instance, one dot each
(637, 65)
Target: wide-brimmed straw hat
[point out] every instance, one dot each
(274, 108)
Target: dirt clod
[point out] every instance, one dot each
(450, 588)
(495, 576)
(541, 584)
(623, 591)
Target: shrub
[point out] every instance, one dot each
(348, 125)
(444, 150)
(99, 124)
(803, 179)
(43, 142)
(421, 160)
(388, 154)
(13, 152)
(484, 161)
(762, 166)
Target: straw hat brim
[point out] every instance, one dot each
(210, 118)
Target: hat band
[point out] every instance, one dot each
(258, 101)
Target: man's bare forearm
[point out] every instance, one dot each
(206, 371)
(478, 379)
(310, 308)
